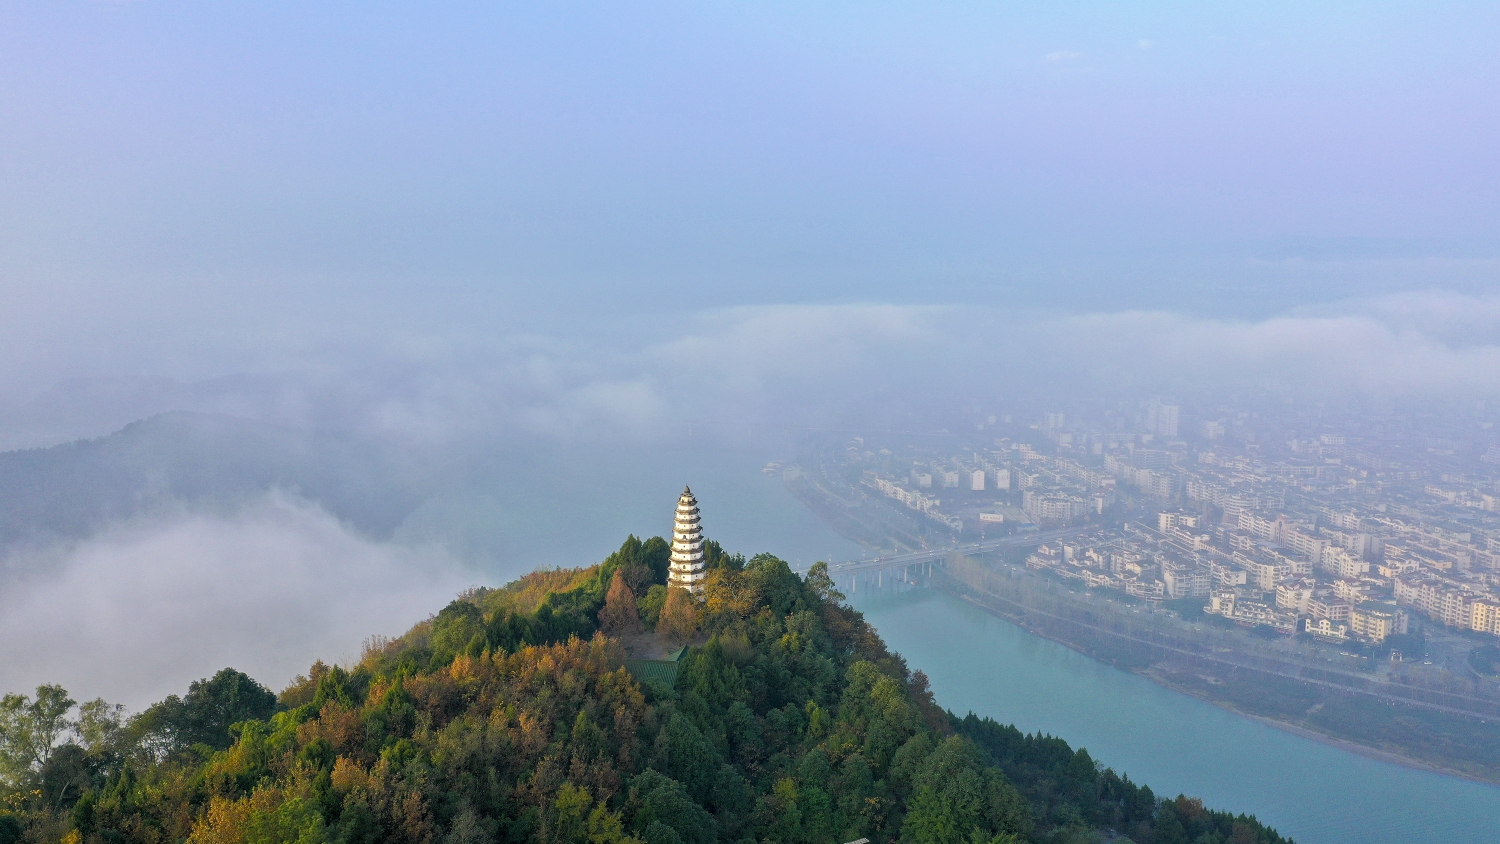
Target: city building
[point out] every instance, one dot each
(1485, 616)
(1054, 507)
(1295, 595)
(1369, 522)
(1325, 629)
(1371, 624)
(1162, 418)
(1184, 582)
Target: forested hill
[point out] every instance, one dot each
(512, 716)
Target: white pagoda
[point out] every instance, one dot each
(687, 568)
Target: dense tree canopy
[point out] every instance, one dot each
(208, 711)
(510, 716)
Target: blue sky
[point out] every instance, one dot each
(189, 191)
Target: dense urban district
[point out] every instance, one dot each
(1222, 551)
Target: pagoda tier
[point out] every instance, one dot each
(687, 568)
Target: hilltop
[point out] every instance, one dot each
(513, 715)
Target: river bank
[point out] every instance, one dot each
(1313, 791)
(1166, 680)
(1348, 746)
(1169, 680)
(1417, 737)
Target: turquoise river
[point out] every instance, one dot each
(1313, 792)
(1316, 793)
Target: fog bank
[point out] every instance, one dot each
(142, 609)
(730, 370)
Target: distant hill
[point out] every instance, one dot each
(69, 490)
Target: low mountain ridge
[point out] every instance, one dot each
(68, 491)
(511, 716)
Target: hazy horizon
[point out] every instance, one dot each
(292, 215)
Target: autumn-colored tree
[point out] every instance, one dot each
(727, 591)
(619, 617)
(269, 814)
(679, 617)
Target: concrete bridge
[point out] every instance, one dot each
(904, 567)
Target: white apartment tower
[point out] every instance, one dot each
(1162, 417)
(687, 568)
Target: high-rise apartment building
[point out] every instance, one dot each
(1162, 417)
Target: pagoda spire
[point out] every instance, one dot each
(687, 569)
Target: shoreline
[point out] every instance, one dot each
(1356, 748)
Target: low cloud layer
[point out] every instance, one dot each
(141, 610)
(812, 365)
(1416, 346)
